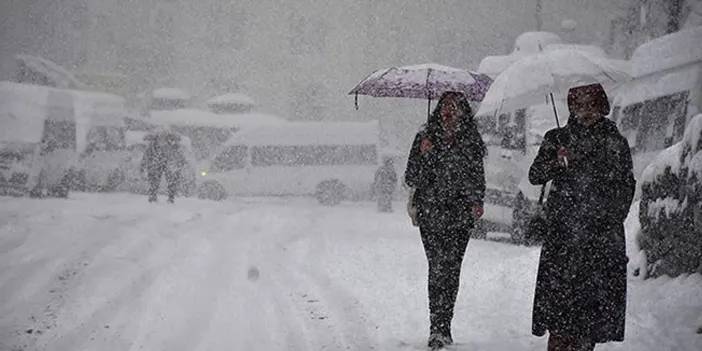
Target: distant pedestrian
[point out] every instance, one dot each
(580, 296)
(384, 185)
(445, 171)
(163, 156)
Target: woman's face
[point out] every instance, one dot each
(449, 114)
(586, 109)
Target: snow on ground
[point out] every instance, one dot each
(112, 272)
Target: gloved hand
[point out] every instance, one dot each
(478, 211)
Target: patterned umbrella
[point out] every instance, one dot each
(427, 81)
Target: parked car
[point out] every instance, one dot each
(671, 207)
(37, 139)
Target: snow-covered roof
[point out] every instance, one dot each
(643, 88)
(593, 50)
(170, 93)
(668, 51)
(534, 42)
(208, 119)
(58, 76)
(310, 133)
(494, 65)
(24, 107)
(22, 112)
(231, 98)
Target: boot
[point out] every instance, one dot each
(437, 341)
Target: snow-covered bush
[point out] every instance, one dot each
(671, 192)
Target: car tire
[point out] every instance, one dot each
(114, 180)
(330, 192)
(211, 190)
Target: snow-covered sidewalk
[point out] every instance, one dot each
(112, 272)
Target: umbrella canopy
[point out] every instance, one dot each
(426, 81)
(533, 79)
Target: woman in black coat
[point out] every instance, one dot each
(580, 296)
(445, 168)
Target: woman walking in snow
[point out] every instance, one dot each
(580, 296)
(445, 170)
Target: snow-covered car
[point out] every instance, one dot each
(670, 210)
(513, 141)
(37, 139)
(100, 140)
(329, 160)
(653, 109)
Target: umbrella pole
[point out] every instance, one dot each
(555, 112)
(355, 101)
(428, 108)
(558, 124)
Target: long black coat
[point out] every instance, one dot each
(581, 283)
(449, 179)
(162, 157)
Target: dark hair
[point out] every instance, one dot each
(467, 130)
(595, 90)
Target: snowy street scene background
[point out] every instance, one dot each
(305, 175)
(272, 274)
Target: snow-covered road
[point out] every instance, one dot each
(112, 272)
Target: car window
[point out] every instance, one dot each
(233, 157)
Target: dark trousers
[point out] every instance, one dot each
(566, 343)
(155, 181)
(385, 202)
(444, 249)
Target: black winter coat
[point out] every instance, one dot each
(581, 283)
(449, 179)
(160, 158)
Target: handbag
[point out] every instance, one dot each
(537, 229)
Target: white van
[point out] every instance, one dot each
(653, 109)
(208, 131)
(330, 160)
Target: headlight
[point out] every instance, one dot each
(203, 173)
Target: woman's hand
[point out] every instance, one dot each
(563, 155)
(478, 211)
(425, 146)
